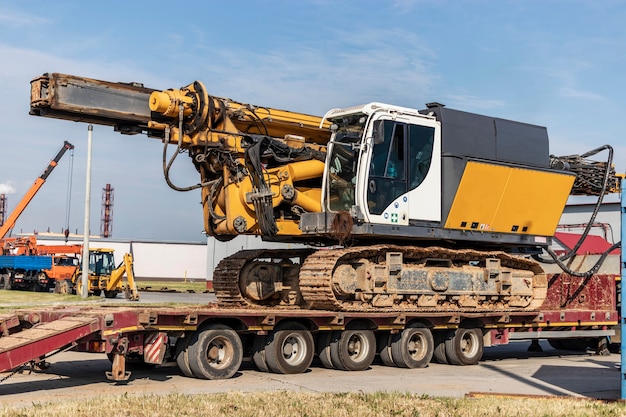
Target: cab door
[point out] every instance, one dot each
(404, 173)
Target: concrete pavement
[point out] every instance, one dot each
(503, 370)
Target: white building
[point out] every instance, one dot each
(578, 212)
(151, 259)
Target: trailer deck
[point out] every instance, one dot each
(154, 334)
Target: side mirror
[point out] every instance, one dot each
(378, 133)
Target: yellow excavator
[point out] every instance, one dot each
(423, 209)
(105, 277)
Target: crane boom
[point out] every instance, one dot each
(32, 191)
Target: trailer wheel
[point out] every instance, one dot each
(258, 355)
(215, 353)
(383, 347)
(182, 357)
(413, 347)
(353, 350)
(289, 349)
(465, 347)
(439, 352)
(323, 349)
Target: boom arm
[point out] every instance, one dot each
(260, 167)
(23, 203)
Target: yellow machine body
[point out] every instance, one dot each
(505, 199)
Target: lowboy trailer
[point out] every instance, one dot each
(211, 341)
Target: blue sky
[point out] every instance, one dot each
(555, 63)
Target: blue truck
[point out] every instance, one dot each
(24, 272)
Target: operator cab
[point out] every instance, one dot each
(384, 164)
(101, 262)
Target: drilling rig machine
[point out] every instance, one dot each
(425, 210)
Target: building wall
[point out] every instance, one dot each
(578, 212)
(154, 260)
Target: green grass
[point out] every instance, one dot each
(288, 404)
(10, 299)
(15, 299)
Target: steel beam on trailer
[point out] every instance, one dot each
(621, 292)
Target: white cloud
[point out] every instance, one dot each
(572, 92)
(377, 65)
(6, 188)
(20, 19)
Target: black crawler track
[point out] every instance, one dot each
(315, 278)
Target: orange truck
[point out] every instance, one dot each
(65, 262)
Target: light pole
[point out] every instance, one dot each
(85, 276)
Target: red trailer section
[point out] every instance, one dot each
(210, 341)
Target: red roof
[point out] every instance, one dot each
(593, 244)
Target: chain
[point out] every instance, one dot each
(17, 370)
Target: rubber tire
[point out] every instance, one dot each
(107, 294)
(413, 347)
(383, 347)
(465, 347)
(323, 349)
(353, 350)
(258, 353)
(62, 286)
(439, 351)
(37, 287)
(225, 347)
(182, 358)
(289, 349)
